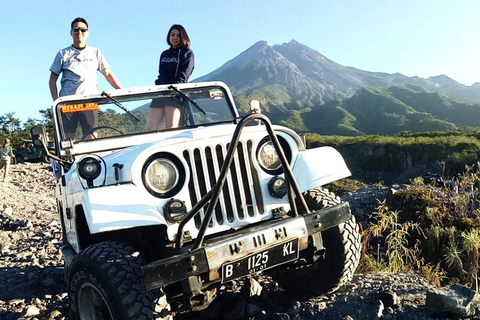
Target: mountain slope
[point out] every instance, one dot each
(299, 87)
(307, 74)
(261, 66)
(381, 112)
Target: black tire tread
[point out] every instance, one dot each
(121, 265)
(321, 277)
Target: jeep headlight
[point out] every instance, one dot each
(269, 159)
(89, 168)
(163, 175)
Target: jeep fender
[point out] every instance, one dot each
(319, 166)
(112, 208)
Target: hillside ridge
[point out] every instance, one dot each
(296, 85)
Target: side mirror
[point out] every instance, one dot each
(40, 140)
(37, 132)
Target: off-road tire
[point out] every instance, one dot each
(343, 248)
(105, 281)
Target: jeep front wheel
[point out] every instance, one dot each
(342, 255)
(105, 281)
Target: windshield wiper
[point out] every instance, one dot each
(118, 104)
(186, 97)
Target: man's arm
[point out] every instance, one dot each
(52, 83)
(112, 79)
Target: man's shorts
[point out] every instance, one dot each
(88, 120)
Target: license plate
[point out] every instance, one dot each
(271, 257)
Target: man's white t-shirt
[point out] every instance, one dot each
(79, 69)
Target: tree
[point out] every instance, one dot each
(9, 123)
(12, 128)
(47, 115)
(47, 120)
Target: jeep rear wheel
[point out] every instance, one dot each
(342, 244)
(105, 281)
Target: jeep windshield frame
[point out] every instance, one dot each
(214, 99)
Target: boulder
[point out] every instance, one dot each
(457, 300)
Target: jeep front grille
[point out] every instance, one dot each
(240, 197)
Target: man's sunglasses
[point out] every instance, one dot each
(77, 29)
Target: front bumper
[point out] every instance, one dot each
(242, 243)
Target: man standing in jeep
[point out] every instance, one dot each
(79, 64)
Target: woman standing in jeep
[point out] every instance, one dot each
(6, 154)
(176, 66)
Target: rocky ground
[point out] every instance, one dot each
(32, 283)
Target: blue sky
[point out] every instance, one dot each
(414, 37)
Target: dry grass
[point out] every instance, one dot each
(430, 229)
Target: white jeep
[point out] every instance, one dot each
(154, 221)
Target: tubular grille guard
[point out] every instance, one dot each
(238, 200)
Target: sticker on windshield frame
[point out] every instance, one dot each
(80, 107)
(216, 94)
